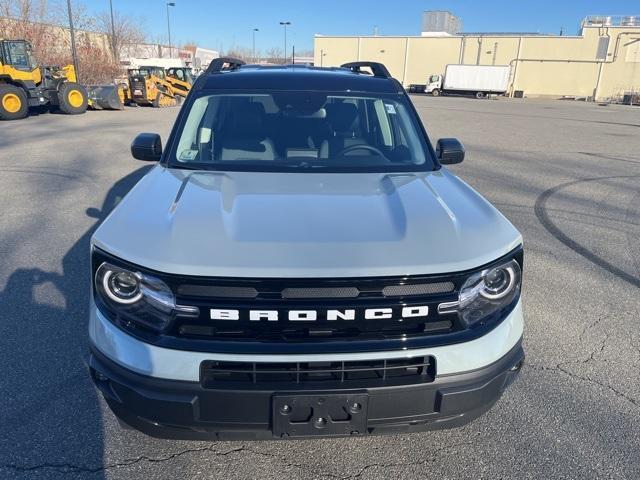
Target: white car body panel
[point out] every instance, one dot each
(311, 225)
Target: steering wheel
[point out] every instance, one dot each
(353, 148)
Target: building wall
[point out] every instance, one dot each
(541, 66)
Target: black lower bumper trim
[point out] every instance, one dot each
(185, 410)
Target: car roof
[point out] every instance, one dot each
(298, 77)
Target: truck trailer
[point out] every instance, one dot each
(478, 80)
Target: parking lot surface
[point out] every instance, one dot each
(566, 174)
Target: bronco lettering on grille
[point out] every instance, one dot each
(313, 315)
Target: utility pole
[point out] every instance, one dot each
(169, 4)
(114, 43)
(74, 54)
(285, 25)
(254, 44)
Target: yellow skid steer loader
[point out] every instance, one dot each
(149, 86)
(181, 79)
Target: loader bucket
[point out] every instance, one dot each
(104, 97)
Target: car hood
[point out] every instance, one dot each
(248, 224)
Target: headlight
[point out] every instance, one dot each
(138, 298)
(486, 292)
(121, 286)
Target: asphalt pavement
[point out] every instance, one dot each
(567, 174)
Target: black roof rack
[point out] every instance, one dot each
(378, 69)
(224, 64)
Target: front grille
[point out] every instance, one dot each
(417, 289)
(226, 324)
(216, 374)
(340, 292)
(339, 308)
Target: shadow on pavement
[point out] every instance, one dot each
(50, 414)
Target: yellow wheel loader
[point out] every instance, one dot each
(24, 83)
(149, 86)
(181, 79)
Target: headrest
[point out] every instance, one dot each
(342, 116)
(248, 121)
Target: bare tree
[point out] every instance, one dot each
(125, 30)
(240, 52)
(44, 25)
(29, 20)
(274, 55)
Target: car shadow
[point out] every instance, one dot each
(50, 413)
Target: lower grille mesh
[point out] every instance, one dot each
(216, 374)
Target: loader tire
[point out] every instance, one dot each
(72, 98)
(13, 103)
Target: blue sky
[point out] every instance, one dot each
(224, 23)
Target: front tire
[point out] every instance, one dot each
(72, 98)
(435, 92)
(13, 103)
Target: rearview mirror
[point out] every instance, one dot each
(449, 151)
(147, 147)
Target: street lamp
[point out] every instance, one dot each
(285, 24)
(254, 43)
(114, 42)
(169, 4)
(74, 53)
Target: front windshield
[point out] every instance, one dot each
(20, 55)
(281, 131)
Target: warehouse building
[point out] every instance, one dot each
(601, 62)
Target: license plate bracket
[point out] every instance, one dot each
(321, 415)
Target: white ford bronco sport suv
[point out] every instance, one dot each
(299, 263)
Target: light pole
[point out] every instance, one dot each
(74, 54)
(285, 25)
(254, 43)
(114, 43)
(169, 4)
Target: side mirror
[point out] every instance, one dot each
(449, 151)
(147, 147)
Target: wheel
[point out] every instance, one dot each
(13, 103)
(480, 95)
(435, 92)
(72, 98)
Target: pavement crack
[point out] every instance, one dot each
(562, 367)
(430, 459)
(71, 468)
(617, 392)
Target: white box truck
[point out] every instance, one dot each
(478, 80)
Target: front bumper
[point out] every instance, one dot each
(185, 410)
